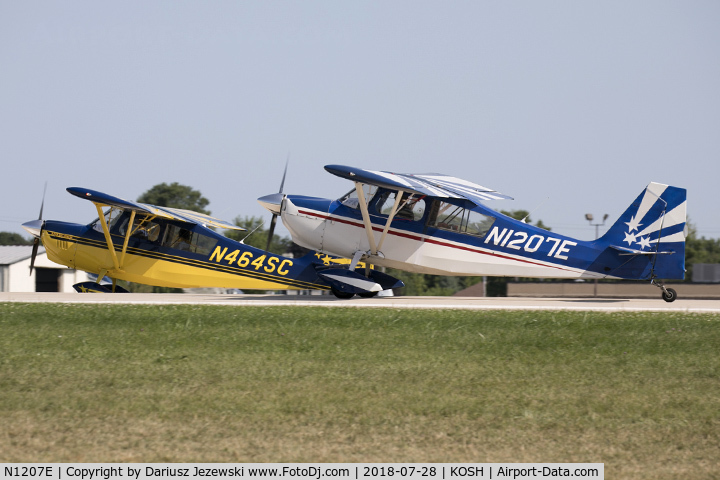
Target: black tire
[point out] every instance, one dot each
(669, 295)
(341, 294)
(367, 294)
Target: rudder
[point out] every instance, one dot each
(654, 224)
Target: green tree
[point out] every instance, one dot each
(699, 250)
(175, 196)
(12, 238)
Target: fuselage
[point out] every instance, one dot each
(438, 236)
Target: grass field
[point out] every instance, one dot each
(639, 392)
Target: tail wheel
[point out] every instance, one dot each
(669, 295)
(341, 294)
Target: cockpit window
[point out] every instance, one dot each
(186, 240)
(351, 199)
(148, 230)
(143, 227)
(411, 207)
(454, 218)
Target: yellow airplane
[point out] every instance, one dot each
(171, 247)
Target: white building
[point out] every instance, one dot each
(47, 276)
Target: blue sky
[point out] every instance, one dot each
(570, 106)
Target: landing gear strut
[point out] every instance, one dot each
(668, 294)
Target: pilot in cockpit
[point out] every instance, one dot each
(183, 241)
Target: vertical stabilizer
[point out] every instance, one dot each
(654, 226)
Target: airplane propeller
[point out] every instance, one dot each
(35, 228)
(274, 203)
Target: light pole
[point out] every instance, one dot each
(589, 218)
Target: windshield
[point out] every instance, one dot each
(351, 199)
(112, 215)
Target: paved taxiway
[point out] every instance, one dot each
(465, 303)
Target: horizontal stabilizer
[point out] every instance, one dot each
(632, 251)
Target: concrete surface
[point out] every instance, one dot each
(466, 303)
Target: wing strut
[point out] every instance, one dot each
(131, 223)
(375, 248)
(106, 231)
(366, 217)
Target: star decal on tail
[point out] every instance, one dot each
(633, 224)
(644, 242)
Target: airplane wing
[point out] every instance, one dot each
(431, 184)
(171, 213)
(195, 217)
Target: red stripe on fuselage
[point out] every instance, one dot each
(427, 239)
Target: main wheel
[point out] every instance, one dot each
(367, 294)
(341, 294)
(669, 295)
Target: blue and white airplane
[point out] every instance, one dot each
(438, 224)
